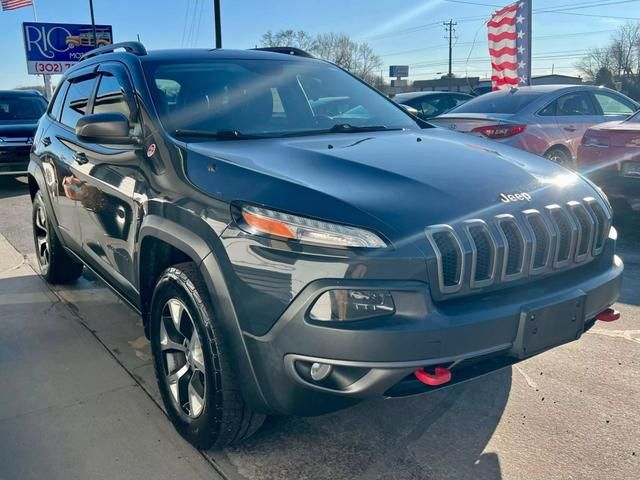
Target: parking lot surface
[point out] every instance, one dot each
(571, 413)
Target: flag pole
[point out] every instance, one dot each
(530, 41)
(46, 78)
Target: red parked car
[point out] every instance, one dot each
(610, 156)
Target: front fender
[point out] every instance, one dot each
(202, 251)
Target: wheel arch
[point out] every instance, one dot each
(565, 149)
(163, 243)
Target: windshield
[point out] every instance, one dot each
(265, 98)
(498, 102)
(16, 108)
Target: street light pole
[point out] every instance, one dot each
(216, 15)
(93, 24)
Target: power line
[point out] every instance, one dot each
(462, 44)
(569, 6)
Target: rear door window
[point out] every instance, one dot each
(76, 102)
(575, 104)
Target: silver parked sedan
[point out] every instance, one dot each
(549, 120)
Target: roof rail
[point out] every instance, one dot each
(286, 50)
(132, 47)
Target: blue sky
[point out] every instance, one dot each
(402, 32)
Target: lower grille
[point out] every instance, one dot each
(511, 247)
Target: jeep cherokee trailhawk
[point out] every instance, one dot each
(295, 242)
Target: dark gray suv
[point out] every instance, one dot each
(287, 260)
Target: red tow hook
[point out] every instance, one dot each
(608, 315)
(440, 377)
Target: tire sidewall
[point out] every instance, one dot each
(38, 203)
(174, 284)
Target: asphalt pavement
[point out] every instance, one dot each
(571, 413)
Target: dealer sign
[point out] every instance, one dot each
(52, 48)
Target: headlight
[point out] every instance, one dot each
(279, 224)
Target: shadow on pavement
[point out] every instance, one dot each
(437, 436)
(13, 187)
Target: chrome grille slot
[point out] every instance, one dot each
(514, 247)
(510, 247)
(449, 257)
(565, 232)
(483, 253)
(603, 224)
(541, 241)
(586, 230)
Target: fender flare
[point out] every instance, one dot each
(201, 252)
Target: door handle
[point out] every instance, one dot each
(80, 158)
(570, 128)
(46, 141)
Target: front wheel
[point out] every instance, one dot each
(194, 373)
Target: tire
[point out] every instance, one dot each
(560, 156)
(194, 373)
(56, 265)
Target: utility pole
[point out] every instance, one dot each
(448, 27)
(93, 25)
(216, 14)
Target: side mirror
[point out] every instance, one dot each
(107, 128)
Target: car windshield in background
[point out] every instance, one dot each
(498, 102)
(16, 108)
(266, 98)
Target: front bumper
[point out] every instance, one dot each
(14, 159)
(473, 335)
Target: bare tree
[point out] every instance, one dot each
(597, 59)
(621, 56)
(289, 38)
(624, 49)
(358, 58)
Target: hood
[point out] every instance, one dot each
(18, 129)
(401, 181)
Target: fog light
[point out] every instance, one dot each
(349, 305)
(320, 371)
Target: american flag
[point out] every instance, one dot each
(14, 4)
(510, 45)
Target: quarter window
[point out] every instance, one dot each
(613, 106)
(77, 101)
(110, 97)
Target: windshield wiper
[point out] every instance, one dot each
(338, 128)
(220, 135)
(347, 127)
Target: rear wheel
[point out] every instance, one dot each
(560, 156)
(196, 381)
(56, 265)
